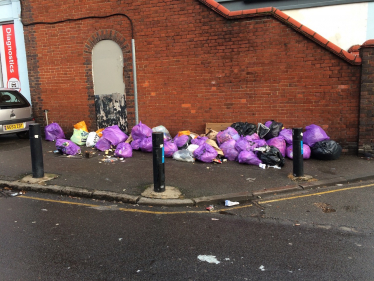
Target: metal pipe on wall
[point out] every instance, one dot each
(135, 83)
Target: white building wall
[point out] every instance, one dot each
(343, 25)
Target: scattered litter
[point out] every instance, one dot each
(120, 239)
(250, 179)
(208, 258)
(57, 224)
(339, 184)
(34, 222)
(325, 207)
(297, 224)
(262, 268)
(138, 270)
(275, 167)
(207, 167)
(229, 203)
(109, 160)
(214, 219)
(262, 166)
(227, 259)
(210, 208)
(44, 210)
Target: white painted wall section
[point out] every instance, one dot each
(370, 26)
(343, 25)
(21, 50)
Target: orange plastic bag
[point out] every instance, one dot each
(81, 125)
(99, 132)
(181, 133)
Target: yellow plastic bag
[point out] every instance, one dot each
(181, 133)
(81, 125)
(99, 132)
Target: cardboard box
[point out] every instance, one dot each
(216, 126)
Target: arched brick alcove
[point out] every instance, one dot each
(107, 34)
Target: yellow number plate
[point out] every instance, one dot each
(13, 127)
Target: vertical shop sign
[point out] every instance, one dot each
(9, 57)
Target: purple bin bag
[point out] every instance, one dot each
(268, 123)
(279, 143)
(306, 151)
(260, 142)
(245, 143)
(135, 144)
(53, 132)
(123, 150)
(199, 140)
(181, 141)
(286, 134)
(248, 157)
(229, 150)
(103, 144)
(114, 135)
(254, 136)
(231, 154)
(313, 134)
(169, 148)
(146, 144)
(205, 153)
(67, 147)
(141, 131)
(228, 134)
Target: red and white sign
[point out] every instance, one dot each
(9, 57)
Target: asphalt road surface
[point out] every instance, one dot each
(317, 235)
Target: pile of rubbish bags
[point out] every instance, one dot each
(262, 145)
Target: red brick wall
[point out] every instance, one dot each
(194, 67)
(366, 131)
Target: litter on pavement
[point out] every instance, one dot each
(229, 203)
(262, 145)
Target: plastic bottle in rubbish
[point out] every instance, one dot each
(229, 203)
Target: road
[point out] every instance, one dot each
(322, 234)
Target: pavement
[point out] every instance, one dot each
(187, 184)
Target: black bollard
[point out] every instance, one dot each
(158, 161)
(297, 145)
(36, 151)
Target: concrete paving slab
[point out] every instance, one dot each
(169, 193)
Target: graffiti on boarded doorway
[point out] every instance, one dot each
(111, 110)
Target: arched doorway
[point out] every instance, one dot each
(109, 88)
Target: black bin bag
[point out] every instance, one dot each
(275, 128)
(244, 128)
(326, 150)
(272, 156)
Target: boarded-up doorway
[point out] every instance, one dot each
(109, 88)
